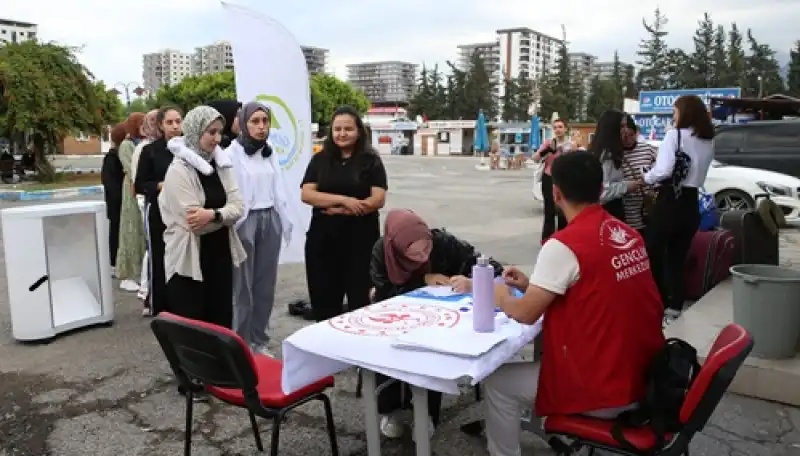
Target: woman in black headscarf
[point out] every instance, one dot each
(229, 110)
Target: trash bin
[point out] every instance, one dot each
(766, 302)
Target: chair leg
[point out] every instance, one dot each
(276, 433)
(256, 432)
(359, 383)
(326, 402)
(187, 434)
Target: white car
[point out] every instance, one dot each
(736, 187)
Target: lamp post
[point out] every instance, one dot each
(760, 86)
(126, 89)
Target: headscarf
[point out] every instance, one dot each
(407, 245)
(150, 125)
(250, 144)
(228, 110)
(195, 124)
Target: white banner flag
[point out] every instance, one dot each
(270, 67)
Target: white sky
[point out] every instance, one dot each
(114, 35)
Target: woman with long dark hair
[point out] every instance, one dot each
(153, 164)
(346, 184)
(608, 148)
(681, 167)
(112, 175)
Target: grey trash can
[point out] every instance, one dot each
(766, 302)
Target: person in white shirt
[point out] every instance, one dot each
(681, 167)
(262, 229)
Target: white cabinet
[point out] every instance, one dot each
(58, 268)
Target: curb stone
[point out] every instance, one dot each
(55, 194)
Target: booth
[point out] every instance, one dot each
(58, 268)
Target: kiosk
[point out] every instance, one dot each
(58, 268)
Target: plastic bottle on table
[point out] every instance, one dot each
(483, 296)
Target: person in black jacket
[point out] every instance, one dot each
(150, 173)
(410, 255)
(230, 112)
(112, 175)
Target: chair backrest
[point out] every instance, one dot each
(209, 353)
(726, 356)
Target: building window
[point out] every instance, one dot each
(82, 137)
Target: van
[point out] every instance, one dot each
(770, 145)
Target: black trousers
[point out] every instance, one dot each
(553, 218)
(212, 299)
(398, 396)
(337, 253)
(671, 228)
(155, 235)
(113, 208)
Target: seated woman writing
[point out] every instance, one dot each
(410, 255)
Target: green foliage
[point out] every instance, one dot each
(194, 91)
(603, 94)
(141, 105)
(653, 50)
(328, 93)
(48, 94)
(559, 93)
(793, 78)
(112, 109)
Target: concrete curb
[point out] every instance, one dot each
(55, 194)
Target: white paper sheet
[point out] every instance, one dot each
(459, 341)
(440, 291)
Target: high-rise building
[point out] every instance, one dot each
(171, 66)
(384, 82)
(606, 69)
(12, 31)
(213, 58)
(166, 67)
(581, 71)
(489, 54)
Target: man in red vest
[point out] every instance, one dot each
(602, 315)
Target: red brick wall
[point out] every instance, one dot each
(72, 146)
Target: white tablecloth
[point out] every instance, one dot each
(364, 338)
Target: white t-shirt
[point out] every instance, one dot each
(556, 268)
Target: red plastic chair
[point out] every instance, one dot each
(219, 359)
(729, 351)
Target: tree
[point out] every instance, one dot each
(761, 63)
(138, 105)
(194, 91)
(328, 93)
(558, 90)
(653, 52)
(793, 76)
(737, 61)
(111, 107)
(617, 82)
(48, 94)
(602, 95)
(631, 90)
(509, 101)
(701, 62)
(722, 69)
(478, 90)
(429, 99)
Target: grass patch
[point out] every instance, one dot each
(62, 181)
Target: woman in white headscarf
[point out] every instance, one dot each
(200, 203)
(265, 226)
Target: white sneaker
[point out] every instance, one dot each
(142, 294)
(129, 285)
(391, 426)
(146, 312)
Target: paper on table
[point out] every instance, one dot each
(440, 291)
(459, 341)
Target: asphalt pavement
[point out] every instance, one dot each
(108, 392)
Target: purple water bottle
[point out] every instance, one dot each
(483, 296)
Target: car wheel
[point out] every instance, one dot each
(733, 200)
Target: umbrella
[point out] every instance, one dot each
(535, 140)
(481, 134)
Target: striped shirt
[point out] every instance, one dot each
(637, 161)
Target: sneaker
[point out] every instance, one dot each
(146, 312)
(142, 294)
(129, 285)
(391, 426)
(670, 315)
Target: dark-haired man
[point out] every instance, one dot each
(603, 314)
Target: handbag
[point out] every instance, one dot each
(649, 195)
(680, 171)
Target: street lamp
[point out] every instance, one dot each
(127, 90)
(760, 86)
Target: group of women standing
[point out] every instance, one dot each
(655, 193)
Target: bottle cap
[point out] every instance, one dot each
(483, 260)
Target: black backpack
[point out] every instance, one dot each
(669, 377)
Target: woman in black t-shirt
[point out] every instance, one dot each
(346, 185)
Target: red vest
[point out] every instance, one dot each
(599, 337)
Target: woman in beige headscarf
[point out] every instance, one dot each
(151, 133)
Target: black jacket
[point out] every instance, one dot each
(111, 175)
(450, 257)
(152, 168)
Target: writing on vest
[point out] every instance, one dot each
(632, 259)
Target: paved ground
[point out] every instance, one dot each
(107, 391)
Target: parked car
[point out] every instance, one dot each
(770, 145)
(735, 187)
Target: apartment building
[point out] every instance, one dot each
(489, 54)
(213, 58)
(526, 52)
(384, 82)
(12, 31)
(606, 69)
(166, 67)
(171, 66)
(582, 70)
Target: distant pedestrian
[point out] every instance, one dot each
(131, 238)
(112, 175)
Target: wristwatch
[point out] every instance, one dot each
(217, 216)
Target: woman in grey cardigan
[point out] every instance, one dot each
(200, 203)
